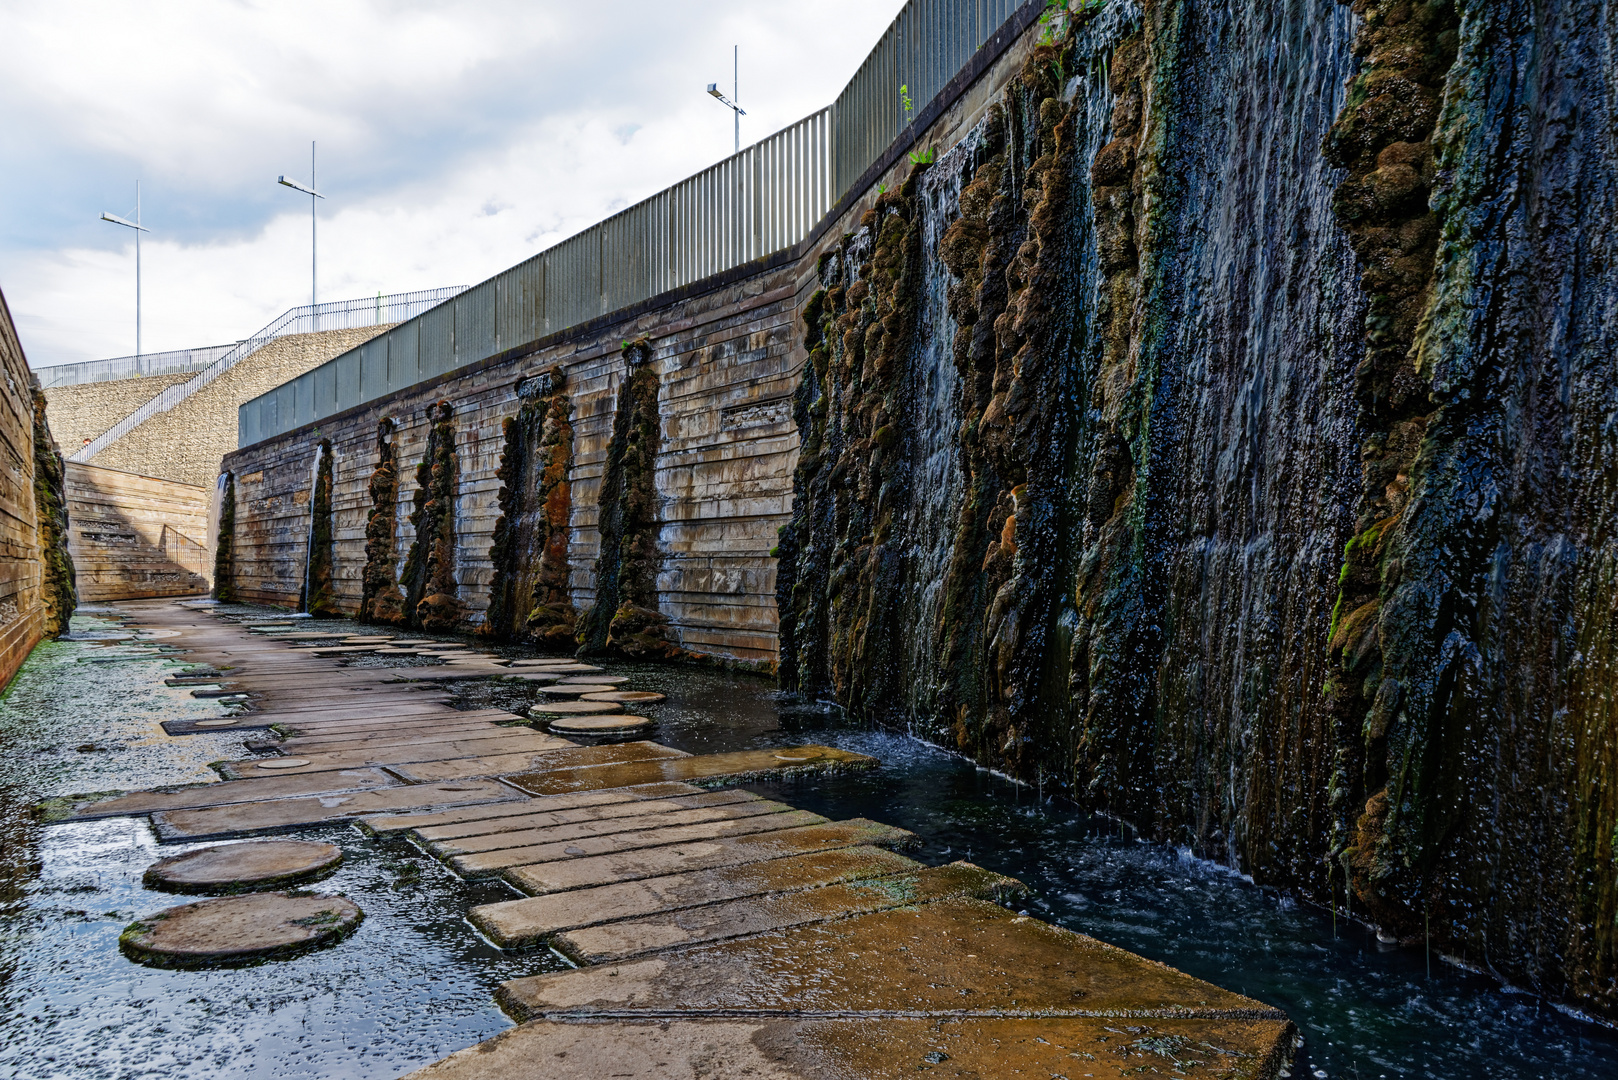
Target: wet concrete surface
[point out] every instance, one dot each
(411, 1000)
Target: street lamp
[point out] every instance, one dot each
(139, 228)
(736, 91)
(314, 251)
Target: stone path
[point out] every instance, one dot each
(718, 933)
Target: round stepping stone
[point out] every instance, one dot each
(218, 721)
(241, 867)
(626, 697)
(576, 691)
(599, 725)
(583, 680)
(234, 929)
(574, 708)
(282, 763)
(569, 669)
(544, 663)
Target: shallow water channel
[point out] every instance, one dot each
(415, 981)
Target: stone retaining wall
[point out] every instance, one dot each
(36, 577)
(134, 536)
(186, 443)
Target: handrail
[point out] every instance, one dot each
(309, 318)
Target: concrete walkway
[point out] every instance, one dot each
(717, 933)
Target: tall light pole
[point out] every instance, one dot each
(139, 228)
(736, 91)
(314, 247)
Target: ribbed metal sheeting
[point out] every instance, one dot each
(760, 201)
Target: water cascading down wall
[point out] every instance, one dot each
(1209, 424)
(1220, 436)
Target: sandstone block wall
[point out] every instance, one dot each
(79, 413)
(186, 443)
(727, 367)
(135, 536)
(35, 593)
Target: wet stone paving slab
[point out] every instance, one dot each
(392, 860)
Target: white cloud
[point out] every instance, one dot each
(456, 138)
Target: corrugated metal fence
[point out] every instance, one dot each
(762, 200)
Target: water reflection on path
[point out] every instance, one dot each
(415, 981)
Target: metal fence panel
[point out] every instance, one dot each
(759, 201)
(373, 371)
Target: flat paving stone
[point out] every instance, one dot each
(445, 732)
(518, 741)
(576, 690)
(597, 680)
(554, 761)
(541, 813)
(240, 867)
(231, 929)
(277, 815)
(626, 697)
(513, 924)
(222, 793)
(872, 1047)
(943, 958)
(592, 825)
(568, 669)
(756, 915)
(572, 708)
(730, 766)
(384, 826)
(610, 724)
(245, 722)
(707, 854)
(488, 863)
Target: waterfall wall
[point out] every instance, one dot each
(1205, 414)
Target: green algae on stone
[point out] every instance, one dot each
(58, 596)
(431, 595)
(321, 600)
(380, 598)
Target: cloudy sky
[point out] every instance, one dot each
(455, 139)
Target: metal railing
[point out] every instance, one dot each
(765, 199)
(130, 367)
(310, 318)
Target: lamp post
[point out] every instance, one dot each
(314, 248)
(139, 228)
(736, 91)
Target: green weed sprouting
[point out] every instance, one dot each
(904, 100)
(923, 157)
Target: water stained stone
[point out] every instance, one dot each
(238, 929)
(238, 867)
(733, 766)
(626, 697)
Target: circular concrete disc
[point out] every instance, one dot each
(627, 697)
(282, 763)
(543, 663)
(239, 867)
(577, 690)
(574, 708)
(593, 680)
(218, 721)
(598, 725)
(238, 928)
(570, 669)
